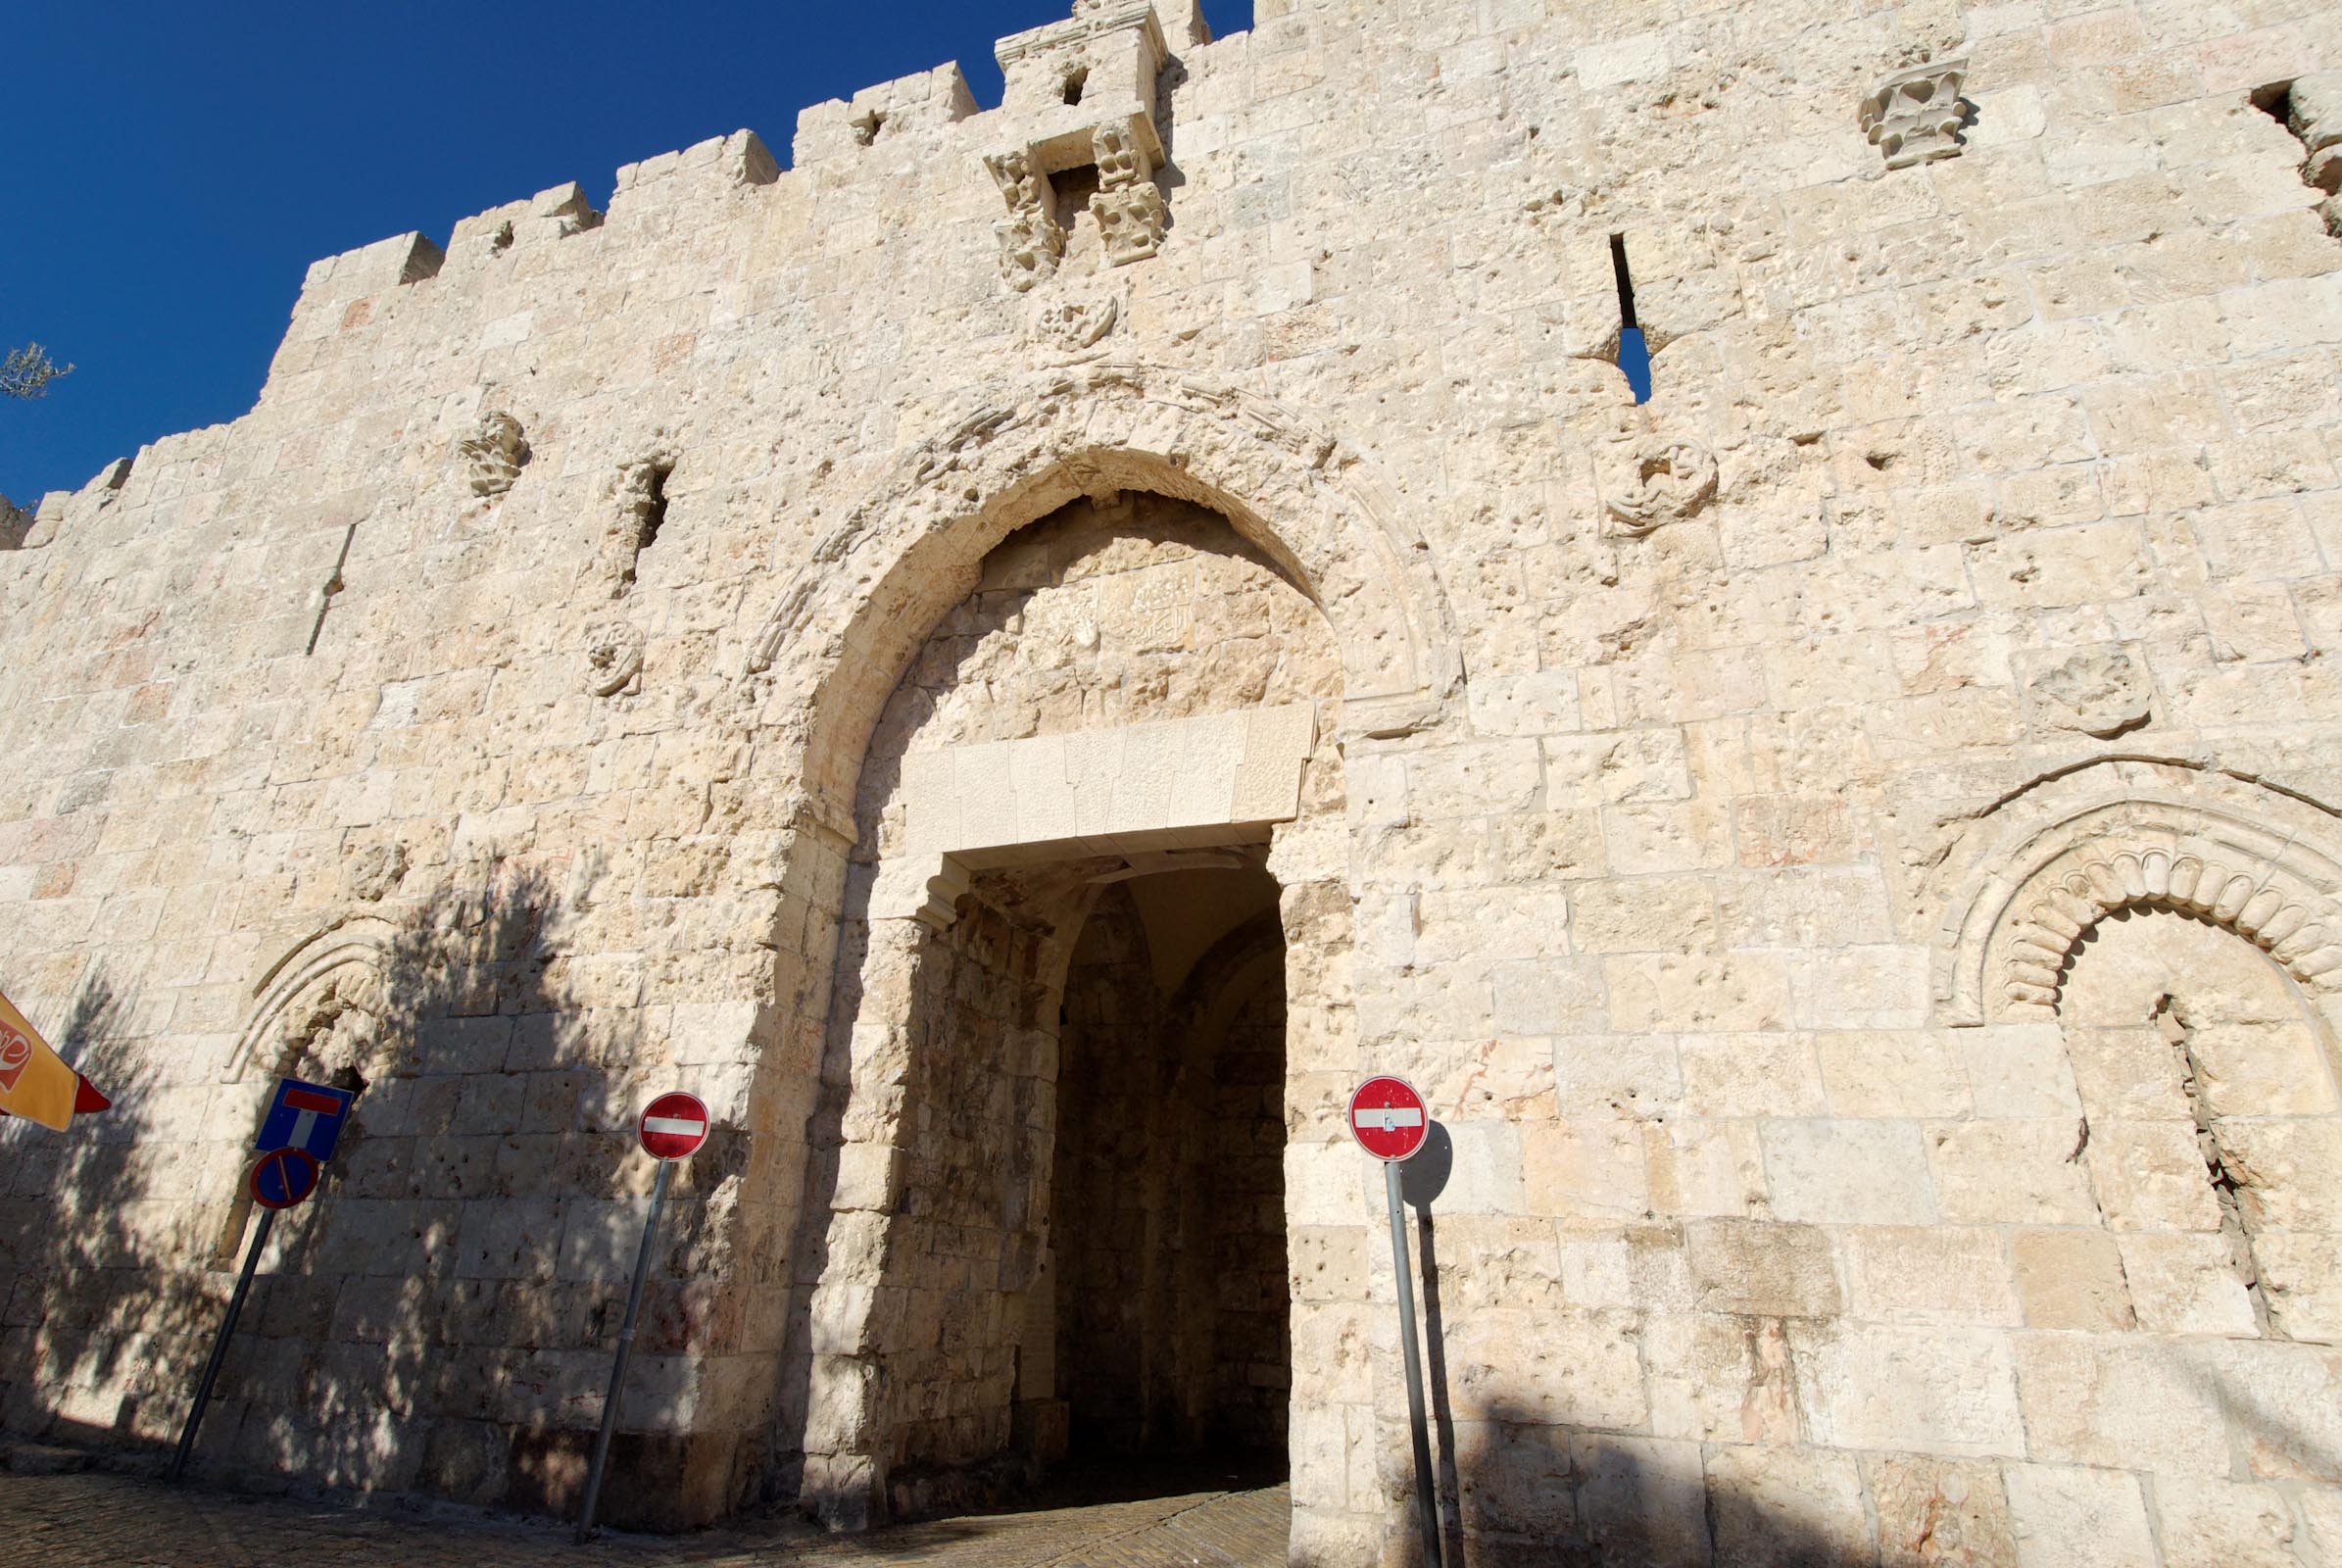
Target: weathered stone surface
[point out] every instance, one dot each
(2218, 1521)
(2095, 692)
(1784, 1507)
(1919, 1391)
(2136, 1404)
(1743, 1266)
(1022, 654)
(2093, 1517)
(1940, 1512)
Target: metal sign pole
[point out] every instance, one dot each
(227, 1327)
(1427, 1496)
(617, 1372)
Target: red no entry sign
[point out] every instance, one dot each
(1387, 1119)
(673, 1125)
(283, 1177)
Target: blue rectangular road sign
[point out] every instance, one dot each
(303, 1116)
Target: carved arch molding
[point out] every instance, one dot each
(2045, 865)
(345, 965)
(1011, 452)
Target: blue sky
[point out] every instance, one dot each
(173, 169)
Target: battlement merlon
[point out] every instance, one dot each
(554, 213)
(371, 268)
(740, 159)
(839, 127)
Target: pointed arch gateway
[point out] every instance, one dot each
(824, 664)
(1012, 452)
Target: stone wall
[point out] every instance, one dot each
(1705, 801)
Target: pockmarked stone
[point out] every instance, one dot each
(1022, 655)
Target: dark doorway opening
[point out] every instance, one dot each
(1172, 1342)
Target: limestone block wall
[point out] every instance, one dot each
(1724, 781)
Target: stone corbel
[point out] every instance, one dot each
(1031, 241)
(1915, 115)
(1128, 207)
(925, 888)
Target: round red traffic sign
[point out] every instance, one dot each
(1389, 1120)
(283, 1177)
(673, 1125)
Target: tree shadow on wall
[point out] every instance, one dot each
(408, 1307)
(87, 1306)
(441, 1315)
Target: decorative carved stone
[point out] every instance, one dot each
(1120, 159)
(2314, 113)
(334, 1028)
(1915, 116)
(1129, 207)
(1072, 331)
(2097, 692)
(1021, 186)
(2251, 901)
(374, 871)
(1031, 246)
(1673, 479)
(494, 454)
(1130, 221)
(638, 506)
(1031, 242)
(614, 658)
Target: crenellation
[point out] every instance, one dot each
(554, 213)
(710, 167)
(831, 134)
(371, 269)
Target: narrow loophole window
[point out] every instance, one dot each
(1074, 83)
(1634, 354)
(648, 503)
(654, 514)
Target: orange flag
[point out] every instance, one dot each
(34, 1081)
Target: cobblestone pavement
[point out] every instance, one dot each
(65, 1521)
